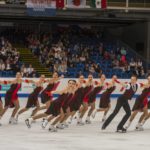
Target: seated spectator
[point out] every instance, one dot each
(142, 72)
(2, 65)
(86, 68)
(123, 59)
(8, 66)
(97, 69)
(62, 67)
(132, 64)
(56, 66)
(34, 74)
(91, 70)
(16, 69)
(106, 55)
(24, 71)
(139, 64)
(115, 64)
(123, 51)
(82, 59)
(30, 69)
(112, 55)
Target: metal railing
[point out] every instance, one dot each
(110, 3)
(129, 3)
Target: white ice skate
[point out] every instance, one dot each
(128, 125)
(17, 116)
(88, 121)
(44, 123)
(65, 125)
(12, 120)
(80, 122)
(52, 129)
(60, 126)
(28, 122)
(139, 127)
(104, 118)
(70, 120)
(77, 116)
(94, 114)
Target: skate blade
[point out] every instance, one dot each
(27, 124)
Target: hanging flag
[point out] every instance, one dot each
(99, 3)
(60, 3)
(103, 4)
(76, 3)
(44, 8)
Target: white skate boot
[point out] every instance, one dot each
(28, 122)
(88, 121)
(52, 129)
(44, 123)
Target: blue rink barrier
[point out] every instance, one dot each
(25, 95)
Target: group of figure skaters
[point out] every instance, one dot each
(77, 99)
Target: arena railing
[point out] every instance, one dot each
(110, 3)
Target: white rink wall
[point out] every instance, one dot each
(26, 88)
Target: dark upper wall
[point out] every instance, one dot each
(135, 35)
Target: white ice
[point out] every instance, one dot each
(87, 137)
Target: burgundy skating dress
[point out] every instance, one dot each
(33, 97)
(45, 97)
(66, 102)
(77, 99)
(12, 94)
(54, 108)
(105, 97)
(87, 91)
(92, 95)
(142, 100)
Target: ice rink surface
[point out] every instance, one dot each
(87, 137)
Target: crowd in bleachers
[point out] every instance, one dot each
(28, 71)
(72, 51)
(9, 58)
(10, 61)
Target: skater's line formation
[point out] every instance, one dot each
(76, 100)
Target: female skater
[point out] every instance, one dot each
(77, 100)
(104, 104)
(11, 97)
(52, 86)
(33, 97)
(91, 97)
(62, 105)
(141, 105)
(1, 103)
(55, 109)
(88, 88)
(140, 127)
(65, 107)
